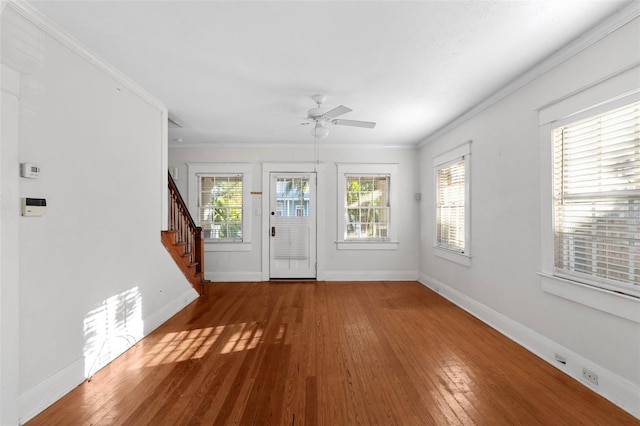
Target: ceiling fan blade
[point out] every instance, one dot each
(337, 111)
(354, 123)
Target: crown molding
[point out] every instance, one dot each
(33, 15)
(10, 64)
(597, 33)
(214, 145)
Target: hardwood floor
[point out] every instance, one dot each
(329, 353)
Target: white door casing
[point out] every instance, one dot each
(292, 225)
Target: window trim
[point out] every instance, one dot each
(574, 275)
(589, 101)
(243, 169)
(364, 169)
(456, 154)
(549, 268)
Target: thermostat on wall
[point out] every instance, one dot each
(34, 206)
(28, 170)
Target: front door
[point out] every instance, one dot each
(292, 225)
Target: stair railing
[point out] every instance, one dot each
(188, 234)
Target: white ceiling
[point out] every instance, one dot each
(240, 72)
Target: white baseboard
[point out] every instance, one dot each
(616, 389)
(217, 276)
(367, 275)
(45, 393)
(174, 306)
(322, 276)
(233, 276)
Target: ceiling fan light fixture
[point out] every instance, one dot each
(320, 131)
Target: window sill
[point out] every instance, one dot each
(461, 259)
(613, 303)
(221, 246)
(361, 245)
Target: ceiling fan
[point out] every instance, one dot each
(321, 118)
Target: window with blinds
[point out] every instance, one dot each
(450, 206)
(597, 198)
(220, 206)
(367, 207)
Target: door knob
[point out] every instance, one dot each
(273, 231)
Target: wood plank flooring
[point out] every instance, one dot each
(329, 353)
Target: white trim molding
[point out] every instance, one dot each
(597, 33)
(367, 169)
(615, 90)
(237, 276)
(245, 169)
(354, 245)
(291, 167)
(367, 275)
(611, 386)
(617, 304)
(9, 240)
(34, 16)
(461, 152)
(45, 393)
(452, 256)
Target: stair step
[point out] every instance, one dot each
(184, 260)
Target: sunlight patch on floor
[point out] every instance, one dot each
(243, 340)
(193, 344)
(183, 345)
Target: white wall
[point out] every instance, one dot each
(9, 203)
(399, 264)
(502, 286)
(92, 273)
(95, 258)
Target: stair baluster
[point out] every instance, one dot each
(184, 240)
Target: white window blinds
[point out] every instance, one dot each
(450, 206)
(220, 206)
(597, 198)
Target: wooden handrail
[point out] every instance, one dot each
(173, 189)
(188, 235)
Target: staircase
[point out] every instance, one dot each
(184, 240)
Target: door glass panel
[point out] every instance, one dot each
(292, 196)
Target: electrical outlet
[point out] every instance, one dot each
(590, 376)
(561, 359)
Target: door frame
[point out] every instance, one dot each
(298, 167)
(293, 268)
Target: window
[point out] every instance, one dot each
(452, 234)
(367, 207)
(367, 199)
(450, 206)
(597, 199)
(220, 202)
(220, 206)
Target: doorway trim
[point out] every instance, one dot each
(297, 167)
